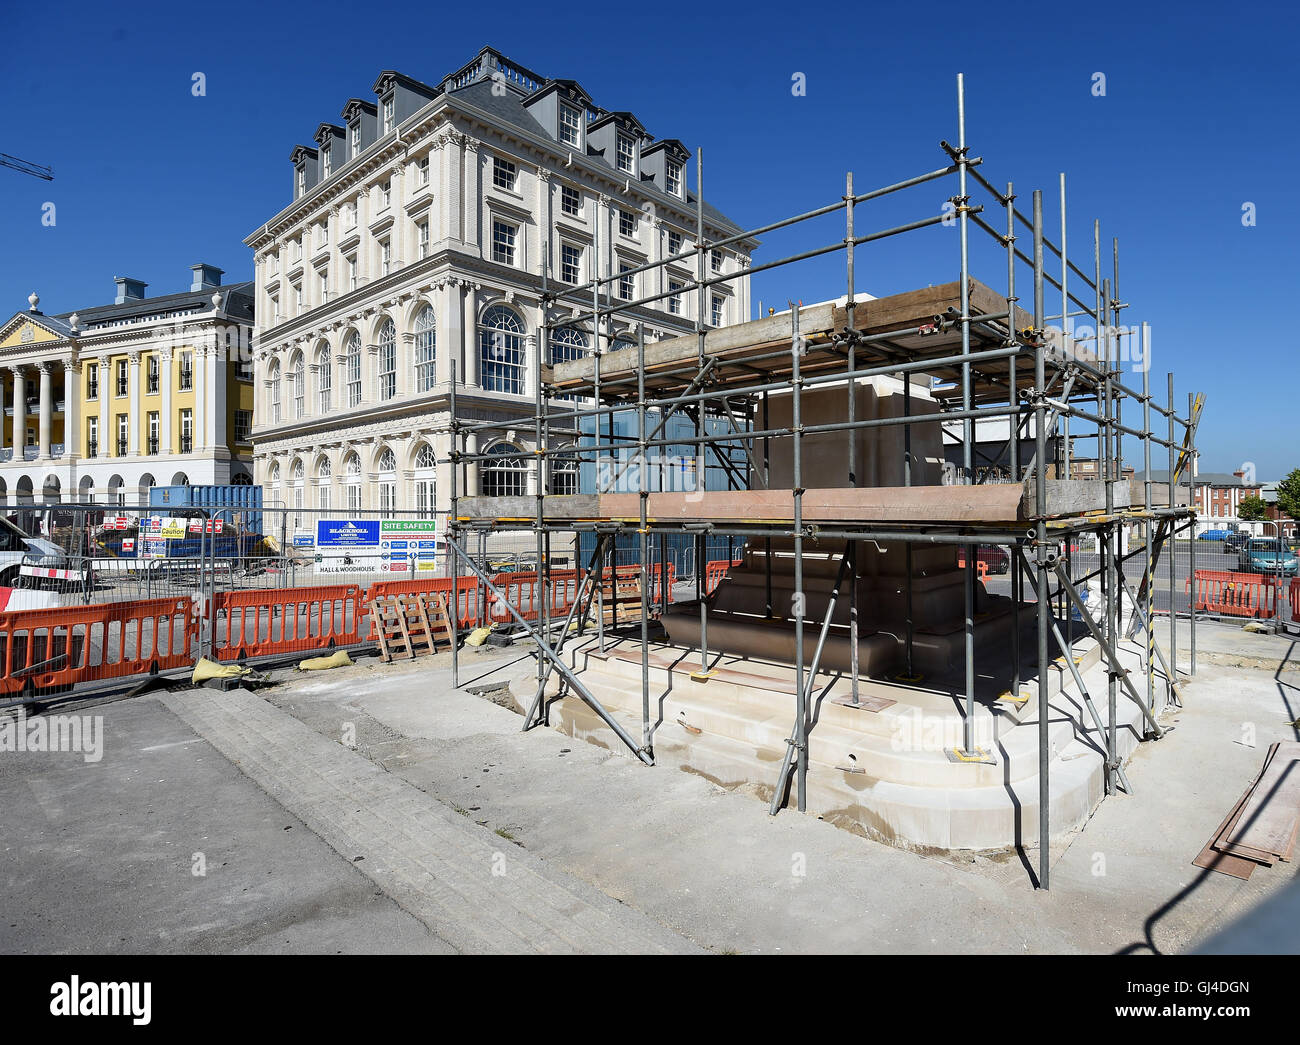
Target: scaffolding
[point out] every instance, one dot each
(984, 358)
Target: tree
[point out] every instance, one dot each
(1252, 508)
(1288, 494)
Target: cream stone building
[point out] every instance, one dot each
(103, 403)
(416, 236)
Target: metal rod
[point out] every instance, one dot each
(1041, 550)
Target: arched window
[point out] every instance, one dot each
(352, 482)
(273, 393)
(501, 351)
(299, 386)
(324, 378)
(567, 344)
(424, 350)
(387, 360)
(504, 476)
(353, 356)
(386, 480)
(241, 479)
(426, 481)
(323, 472)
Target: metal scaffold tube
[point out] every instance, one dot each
(1044, 557)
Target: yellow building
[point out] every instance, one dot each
(101, 404)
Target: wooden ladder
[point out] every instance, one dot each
(405, 623)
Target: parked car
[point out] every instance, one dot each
(1233, 542)
(1214, 535)
(17, 549)
(997, 558)
(1266, 555)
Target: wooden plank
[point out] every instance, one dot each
(1225, 863)
(1269, 816)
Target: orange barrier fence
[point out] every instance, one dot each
(520, 590)
(981, 567)
(264, 622)
(715, 571)
(55, 649)
(1235, 594)
(1295, 599)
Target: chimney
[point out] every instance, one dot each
(128, 289)
(206, 277)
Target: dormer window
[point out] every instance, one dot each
(674, 178)
(302, 180)
(354, 137)
(570, 126)
(626, 158)
(325, 161)
(387, 124)
(503, 173)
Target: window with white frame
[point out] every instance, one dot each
(570, 263)
(387, 120)
(627, 223)
(675, 302)
(385, 194)
(186, 380)
(674, 243)
(503, 473)
(625, 282)
(152, 374)
(425, 345)
(299, 388)
(325, 161)
(715, 260)
(323, 283)
(274, 390)
(386, 481)
(570, 200)
(323, 235)
(422, 238)
(422, 171)
(302, 180)
(297, 299)
(243, 426)
(570, 125)
(353, 356)
(564, 475)
(123, 434)
(352, 272)
(719, 310)
(354, 136)
(324, 378)
(567, 344)
(503, 242)
(673, 178)
(387, 361)
(92, 380)
(323, 473)
(426, 481)
(385, 256)
(298, 483)
(352, 482)
(122, 382)
(626, 156)
(504, 173)
(501, 350)
(187, 431)
(154, 425)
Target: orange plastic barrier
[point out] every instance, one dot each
(715, 571)
(1235, 594)
(520, 590)
(59, 648)
(289, 620)
(1295, 599)
(981, 567)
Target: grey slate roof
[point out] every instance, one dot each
(236, 302)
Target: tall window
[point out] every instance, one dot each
(298, 483)
(299, 388)
(92, 436)
(570, 263)
(92, 381)
(674, 178)
(324, 378)
(425, 335)
(422, 236)
(387, 481)
(626, 160)
(122, 380)
(275, 394)
(564, 475)
(504, 474)
(422, 170)
(674, 243)
(503, 242)
(187, 431)
(323, 472)
(675, 302)
(385, 194)
(625, 283)
(626, 223)
(425, 481)
(123, 434)
(187, 371)
(387, 124)
(387, 361)
(325, 160)
(719, 307)
(715, 260)
(501, 351)
(153, 432)
(352, 482)
(570, 125)
(570, 200)
(243, 426)
(385, 257)
(354, 369)
(354, 136)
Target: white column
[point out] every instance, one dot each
(471, 467)
(20, 412)
(405, 362)
(472, 196)
(451, 335)
(106, 434)
(530, 361)
(165, 410)
(339, 387)
(453, 166)
(71, 408)
(215, 365)
(133, 388)
(470, 314)
(201, 394)
(546, 249)
(47, 408)
(2, 409)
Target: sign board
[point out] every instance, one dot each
(347, 546)
(172, 529)
(304, 540)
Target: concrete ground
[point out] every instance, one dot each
(682, 857)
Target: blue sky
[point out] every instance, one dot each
(1198, 119)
